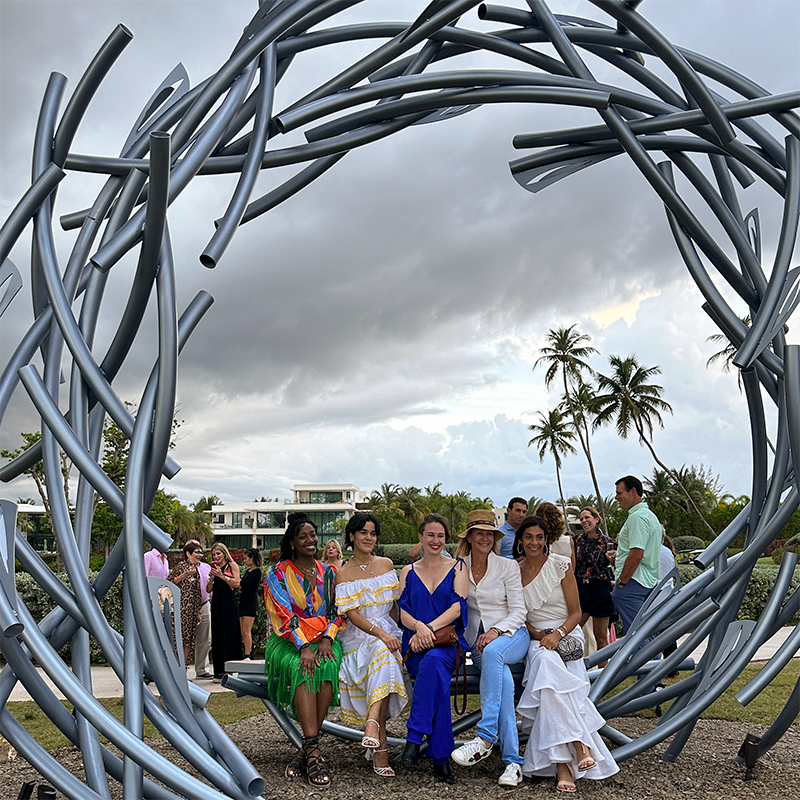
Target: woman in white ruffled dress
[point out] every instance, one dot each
(561, 722)
(373, 685)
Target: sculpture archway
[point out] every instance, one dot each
(185, 132)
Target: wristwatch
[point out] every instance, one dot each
(621, 584)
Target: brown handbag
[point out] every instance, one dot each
(447, 637)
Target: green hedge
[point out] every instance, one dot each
(40, 604)
(688, 543)
(758, 589)
(399, 552)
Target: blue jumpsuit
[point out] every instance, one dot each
(433, 669)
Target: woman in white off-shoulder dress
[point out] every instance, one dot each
(561, 722)
(373, 685)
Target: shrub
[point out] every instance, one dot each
(40, 605)
(776, 544)
(777, 555)
(758, 589)
(688, 543)
(398, 553)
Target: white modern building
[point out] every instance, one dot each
(261, 525)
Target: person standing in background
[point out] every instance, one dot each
(515, 512)
(203, 639)
(156, 564)
(248, 598)
(638, 548)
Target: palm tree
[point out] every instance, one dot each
(725, 356)
(455, 508)
(553, 434)
(565, 354)
(183, 520)
(385, 497)
(411, 502)
(632, 403)
(661, 491)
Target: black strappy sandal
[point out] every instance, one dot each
(316, 770)
(296, 768)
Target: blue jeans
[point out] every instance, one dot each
(629, 599)
(498, 719)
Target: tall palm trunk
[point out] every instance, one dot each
(583, 438)
(561, 494)
(675, 478)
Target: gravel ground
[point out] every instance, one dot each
(705, 769)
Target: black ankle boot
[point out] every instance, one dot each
(443, 773)
(410, 753)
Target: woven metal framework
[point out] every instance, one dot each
(228, 124)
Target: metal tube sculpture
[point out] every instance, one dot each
(227, 124)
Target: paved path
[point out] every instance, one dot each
(106, 684)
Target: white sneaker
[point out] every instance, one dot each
(512, 776)
(471, 752)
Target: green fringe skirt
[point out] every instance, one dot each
(282, 668)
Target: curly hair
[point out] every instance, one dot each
(296, 521)
(357, 523)
(556, 526)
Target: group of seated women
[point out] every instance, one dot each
(353, 636)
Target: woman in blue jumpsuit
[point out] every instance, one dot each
(433, 595)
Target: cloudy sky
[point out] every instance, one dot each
(382, 325)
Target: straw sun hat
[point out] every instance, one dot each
(481, 519)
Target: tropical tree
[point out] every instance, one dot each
(206, 503)
(554, 435)
(726, 355)
(411, 502)
(455, 507)
(36, 472)
(628, 399)
(385, 497)
(564, 355)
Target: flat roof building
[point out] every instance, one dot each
(262, 524)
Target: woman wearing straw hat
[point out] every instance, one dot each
(498, 637)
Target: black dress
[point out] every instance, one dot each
(226, 638)
(248, 594)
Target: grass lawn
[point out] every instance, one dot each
(226, 707)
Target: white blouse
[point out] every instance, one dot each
(497, 600)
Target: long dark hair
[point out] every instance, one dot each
(255, 554)
(528, 522)
(296, 521)
(357, 523)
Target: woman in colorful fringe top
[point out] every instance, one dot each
(302, 657)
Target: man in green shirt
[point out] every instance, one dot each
(638, 547)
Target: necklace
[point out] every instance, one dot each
(309, 572)
(363, 567)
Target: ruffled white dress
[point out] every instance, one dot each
(555, 706)
(369, 672)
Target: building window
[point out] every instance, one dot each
(325, 520)
(271, 519)
(237, 519)
(325, 497)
